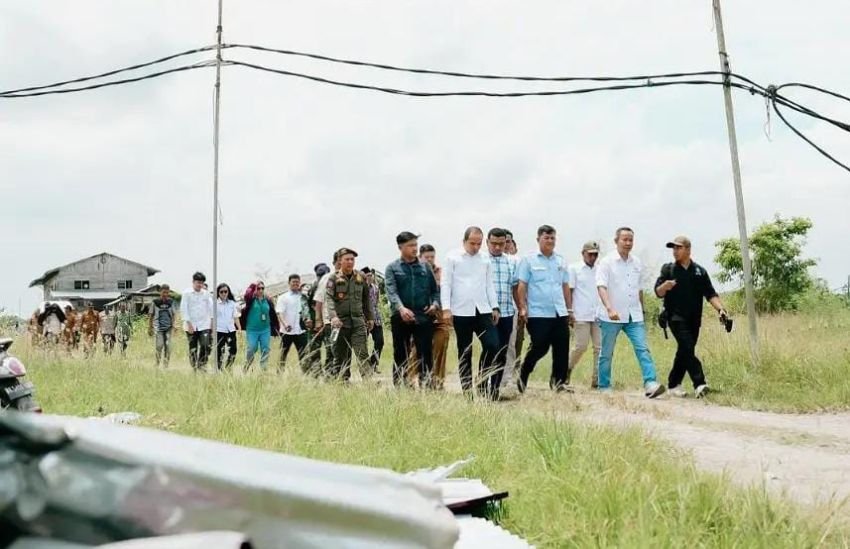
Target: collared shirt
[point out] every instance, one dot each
(546, 277)
(227, 313)
(412, 285)
(585, 295)
(319, 296)
(622, 279)
(197, 308)
(107, 323)
(467, 286)
(684, 301)
(289, 308)
(505, 280)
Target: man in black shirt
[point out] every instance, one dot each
(684, 284)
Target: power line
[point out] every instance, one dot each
(414, 70)
(110, 73)
(184, 68)
(480, 93)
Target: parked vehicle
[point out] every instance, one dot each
(15, 391)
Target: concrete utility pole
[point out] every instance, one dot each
(214, 331)
(739, 193)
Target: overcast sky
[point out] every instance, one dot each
(307, 168)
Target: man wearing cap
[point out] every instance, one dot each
(585, 307)
(313, 357)
(414, 301)
(350, 317)
(322, 325)
(618, 281)
(683, 285)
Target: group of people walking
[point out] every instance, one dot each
(67, 328)
(483, 290)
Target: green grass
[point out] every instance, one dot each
(571, 485)
(804, 362)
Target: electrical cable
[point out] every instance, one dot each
(806, 139)
(184, 68)
(480, 93)
(110, 73)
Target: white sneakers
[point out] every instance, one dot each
(701, 391)
(678, 392)
(653, 389)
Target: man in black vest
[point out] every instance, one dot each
(684, 284)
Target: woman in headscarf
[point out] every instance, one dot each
(260, 323)
(227, 324)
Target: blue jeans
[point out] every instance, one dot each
(636, 332)
(258, 340)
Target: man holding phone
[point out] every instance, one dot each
(683, 285)
(414, 301)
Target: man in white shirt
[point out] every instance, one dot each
(585, 309)
(618, 280)
(289, 311)
(468, 297)
(196, 308)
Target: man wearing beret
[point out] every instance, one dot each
(350, 316)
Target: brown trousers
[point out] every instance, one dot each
(440, 346)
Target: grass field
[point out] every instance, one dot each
(572, 485)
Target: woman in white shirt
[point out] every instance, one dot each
(227, 324)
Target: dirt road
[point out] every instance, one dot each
(805, 456)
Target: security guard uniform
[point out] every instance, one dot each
(347, 299)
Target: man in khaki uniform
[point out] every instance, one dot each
(89, 328)
(347, 304)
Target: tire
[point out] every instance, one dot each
(26, 404)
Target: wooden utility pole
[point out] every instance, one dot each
(736, 177)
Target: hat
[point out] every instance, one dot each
(683, 241)
(590, 246)
(366, 270)
(345, 251)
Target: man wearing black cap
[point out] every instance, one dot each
(684, 284)
(321, 326)
(350, 316)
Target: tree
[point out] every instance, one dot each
(780, 273)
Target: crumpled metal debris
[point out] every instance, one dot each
(94, 482)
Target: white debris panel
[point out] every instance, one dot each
(94, 482)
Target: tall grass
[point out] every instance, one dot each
(571, 485)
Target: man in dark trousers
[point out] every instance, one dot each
(351, 320)
(684, 284)
(414, 301)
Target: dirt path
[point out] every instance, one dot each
(805, 456)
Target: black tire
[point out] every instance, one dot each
(25, 404)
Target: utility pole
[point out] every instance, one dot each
(214, 330)
(736, 176)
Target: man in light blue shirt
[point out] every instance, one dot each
(544, 299)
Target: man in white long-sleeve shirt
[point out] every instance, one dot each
(196, 309)
(469, 301)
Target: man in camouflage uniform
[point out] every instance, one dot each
(347, 302)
